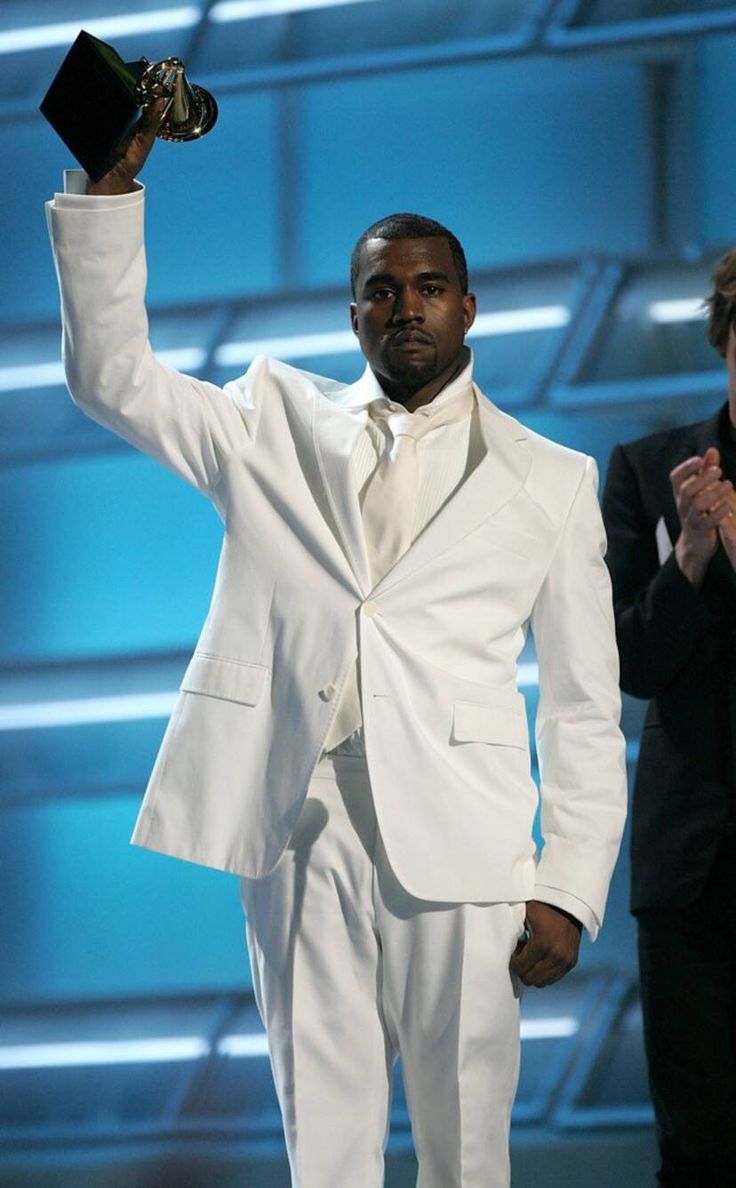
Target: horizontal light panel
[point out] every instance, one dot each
(105, 1052)
(555, 1027)
(243, 1046)
(169, 1049)
(293, 346)
(248, 10)
(13, 41)
(338, 342)
(518, 321)
(48, 375)
(683, 309)
(86, 711)
(128, 707)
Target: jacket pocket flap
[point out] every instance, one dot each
(231, 680)
(473, 721)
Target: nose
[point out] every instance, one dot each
(407, 307)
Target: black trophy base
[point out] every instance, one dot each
(91, 103)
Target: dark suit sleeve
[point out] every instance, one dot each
(660, 616)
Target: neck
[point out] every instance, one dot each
(414, 398)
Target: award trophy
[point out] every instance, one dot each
(96, 98)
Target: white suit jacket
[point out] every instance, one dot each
(520, 542)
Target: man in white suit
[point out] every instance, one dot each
(349, 737)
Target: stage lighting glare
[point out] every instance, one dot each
(169, 1049)
(130, 707)
(248, 10)
(48, 375)
(161, 1050)
(13, 41)
(293, 346)
(339, 342)
(681, 309)
(86, 711)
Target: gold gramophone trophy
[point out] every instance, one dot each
(96, 98)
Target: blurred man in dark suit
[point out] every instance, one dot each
(670, 513)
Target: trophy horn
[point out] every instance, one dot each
(191, 112)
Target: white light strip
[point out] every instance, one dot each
(13, 41)
(85, 711)
(131, 707)
(47, 375)
(182, 358)
(240, 1046)
(527, 675)
(169, 1049)
(294, 346)
(515, 321)
(551, 1028)
(248, 10)
(338, 342)
(33, 375)
(684, 309)
(86, 1054)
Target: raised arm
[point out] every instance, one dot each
(97, 239)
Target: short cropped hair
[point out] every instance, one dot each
(410, 226)
(721, 302)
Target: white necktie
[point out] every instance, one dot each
(390, 497)
(389, 506)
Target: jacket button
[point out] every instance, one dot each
(370, 609)
(328, 692)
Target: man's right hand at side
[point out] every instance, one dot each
(121, 177)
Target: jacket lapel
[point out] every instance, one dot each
(335, 431)
(496, 479)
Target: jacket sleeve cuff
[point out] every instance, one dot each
(75, 194)
(569, 903)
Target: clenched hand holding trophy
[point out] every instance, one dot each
(108, 112)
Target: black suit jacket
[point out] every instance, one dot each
(678, 650)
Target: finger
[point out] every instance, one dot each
(546, 977)
(723, 516)
(545, 971)
(700, 482)
(149, 122)
(537, 958)
(709, 500)
(727, 528)
(685, 469)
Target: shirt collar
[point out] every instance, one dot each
(367, 391)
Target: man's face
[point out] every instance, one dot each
(410, 314)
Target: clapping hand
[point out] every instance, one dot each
(704, 501)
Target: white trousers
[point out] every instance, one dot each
(349, 971)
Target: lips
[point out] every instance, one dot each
(411, 338)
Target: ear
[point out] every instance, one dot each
(469, 310)
(354, 317)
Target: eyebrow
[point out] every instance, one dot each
(384, 278)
